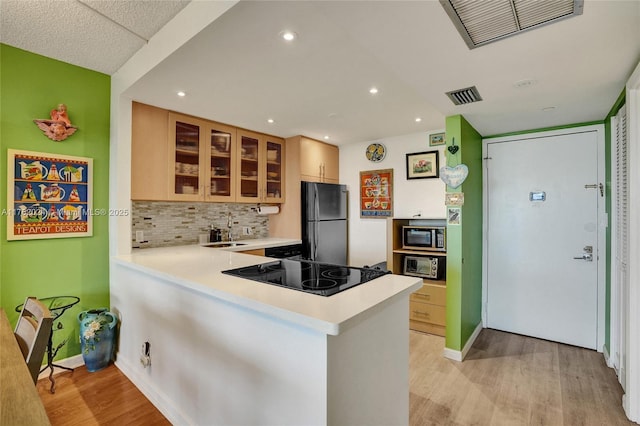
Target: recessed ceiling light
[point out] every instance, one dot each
(270, 121)
(181, 94)
(373, 90)
(418, 119)
(326, 137)
(288, 35)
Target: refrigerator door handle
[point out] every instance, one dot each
(316, 204)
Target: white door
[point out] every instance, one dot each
(542, 214)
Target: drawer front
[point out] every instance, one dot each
(429, 293)
(427, 313)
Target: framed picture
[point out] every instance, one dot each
(437, 139)
(422, 165)
(453, 215)
(49, 195)
(376, 193)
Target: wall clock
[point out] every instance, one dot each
(376, 152)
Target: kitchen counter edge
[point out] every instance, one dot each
(199, 269)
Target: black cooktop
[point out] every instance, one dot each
(312, 277)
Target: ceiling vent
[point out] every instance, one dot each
(464, 96)
(484, 21)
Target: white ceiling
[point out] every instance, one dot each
(240, 72)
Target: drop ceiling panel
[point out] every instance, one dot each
(70, 31)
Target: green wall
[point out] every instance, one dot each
(30, 86)
(464, 241)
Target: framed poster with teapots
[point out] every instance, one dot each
(49, 196)
(376, 194)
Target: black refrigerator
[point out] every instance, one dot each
(324, 222)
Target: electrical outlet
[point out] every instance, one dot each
(139, 236)
(145, 355)
(246, 230)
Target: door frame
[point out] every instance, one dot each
(631, 399)
(602, 218)
(617, 301)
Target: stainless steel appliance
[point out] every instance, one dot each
(425, 266)
(324, 222)
(311, 277)
(424, 238)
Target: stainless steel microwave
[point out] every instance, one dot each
(424, 238)
(425, 267)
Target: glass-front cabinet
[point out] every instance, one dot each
(203, 160)
(261, 168)
(209, 161)
(275, 171)
(220, 162)
(185, 153)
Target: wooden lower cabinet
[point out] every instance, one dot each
(427, 309)
(427, 305)
(255, 252)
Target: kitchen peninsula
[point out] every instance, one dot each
(227, 350)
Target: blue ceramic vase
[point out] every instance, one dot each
(97, 337)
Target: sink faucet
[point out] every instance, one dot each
(229, 224)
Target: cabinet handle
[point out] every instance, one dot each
(424, 296)
(418, 314)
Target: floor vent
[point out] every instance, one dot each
(480, 21)
(464, 96)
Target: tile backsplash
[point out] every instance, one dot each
(179, 223)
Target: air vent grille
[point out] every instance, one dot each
(485, 21)
(464, 96)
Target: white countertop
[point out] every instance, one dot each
(199, 269)
(258, 243)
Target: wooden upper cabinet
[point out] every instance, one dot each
(221, 164)
(319, 161)
(261, 168)
(275, 170)
(187, 150)
(178, 157)
(149, 129)
(202, 164)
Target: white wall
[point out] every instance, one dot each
(368, 237)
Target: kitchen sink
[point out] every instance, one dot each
(224, 244)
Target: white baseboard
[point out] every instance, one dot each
(71, 362)
(607, 358)
(460, 355)
(156, 397)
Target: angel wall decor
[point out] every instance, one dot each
(59, 127)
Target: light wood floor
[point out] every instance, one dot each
(506, 379)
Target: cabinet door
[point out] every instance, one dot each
(149, 129)
(186, 151)
(252, 172)
(318, 161)
(330, 163)
(274, 155)
(221, 164)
